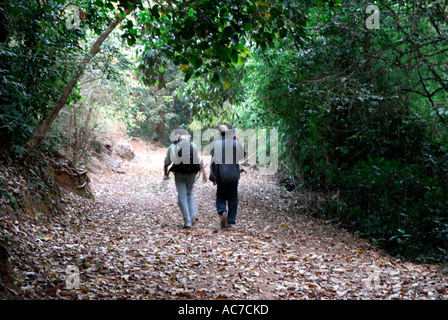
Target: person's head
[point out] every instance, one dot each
(184, 137)
(177, 133)
(222, 129)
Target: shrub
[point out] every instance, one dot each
(396, 204)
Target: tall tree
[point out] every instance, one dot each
(201, 37)
(40, 133)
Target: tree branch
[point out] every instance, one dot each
(40, 133)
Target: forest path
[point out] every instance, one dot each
(129, 244)
(272, 252)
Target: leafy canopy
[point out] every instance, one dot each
(209, 37)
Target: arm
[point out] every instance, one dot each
(212, 176)
(241, 152)
(204, 177)
(166, 164)
(165, 171)
(213, 173)
(197, 158)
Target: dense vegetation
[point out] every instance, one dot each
(362, 116)
(361, 113)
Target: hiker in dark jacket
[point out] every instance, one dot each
(186, 164)
(225, 172)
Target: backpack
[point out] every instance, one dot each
(186, 167)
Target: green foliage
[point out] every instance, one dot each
(162, 106)
(210, 37)
(25, 60)
(353, 117)
(37, 57)
(360, 112)
(398, 205)
(39, 53)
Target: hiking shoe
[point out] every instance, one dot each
(187, 227)
(224, 220)
(230, 225)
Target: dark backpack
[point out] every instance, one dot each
(186, 167)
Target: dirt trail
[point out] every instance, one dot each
(129, 244)
(272, 253)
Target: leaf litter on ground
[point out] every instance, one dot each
(128, 243)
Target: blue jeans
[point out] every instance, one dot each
(227, 192)
(185, 197)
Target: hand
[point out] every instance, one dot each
(204, 179)
(214, 183)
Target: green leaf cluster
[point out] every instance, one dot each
(355, 111)
(38, 55)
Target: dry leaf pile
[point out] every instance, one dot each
(128, 244)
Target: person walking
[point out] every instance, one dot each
(186, 164)
(225, 173)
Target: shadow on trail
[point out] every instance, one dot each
(273, 252)
(128, 243)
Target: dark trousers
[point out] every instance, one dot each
(227, 192)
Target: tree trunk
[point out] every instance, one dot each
(162, 125)
(40, 133)
(85, 132)
(76, 133)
